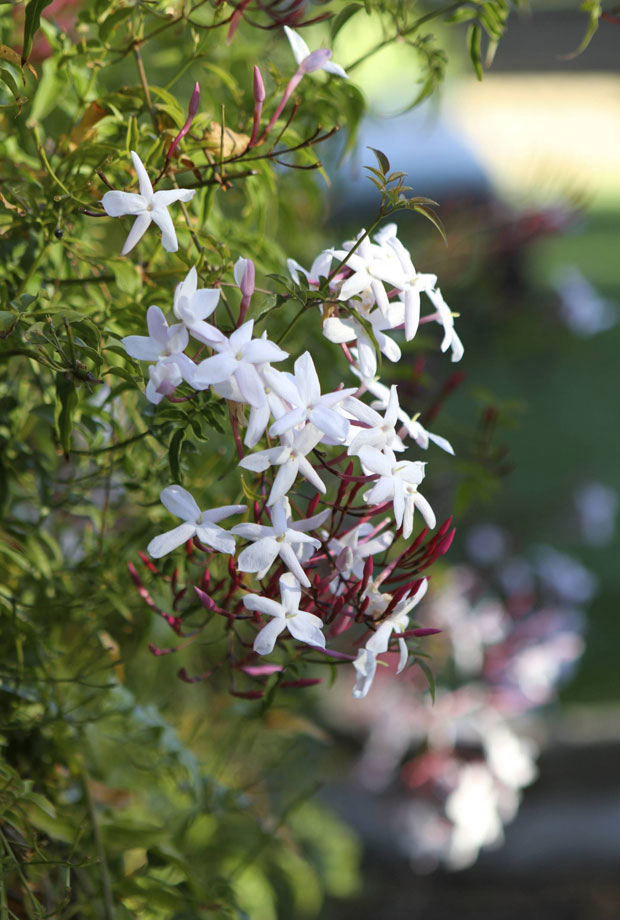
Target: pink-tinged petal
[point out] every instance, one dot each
(261, 351)
(302, 628)
(298, 46)
(404, 655)
(425, 510)
(315, 60)
(152, 394)
(330, 423)
(215, 369)
(140, 226)
(218, 514)
(290, 592)
(146, 189)
(141, 347)
(157, 326)
(289, 558)
(412, 312)
(365, 667)
(380, 641)
(286, 422)
(250, 384)
(180, 502)
(263, 605)
(330, 67)
(308, 472)
(169, 196)
(216, 537)
(286, 476)
(338, 331)
(172, 539)
(168, 234)
(307, 380)
(117, 204)
(266, 639)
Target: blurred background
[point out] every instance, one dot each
(507, 798)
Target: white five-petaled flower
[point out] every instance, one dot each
(353, 548)
(303, 626)
(319, 268)
(371, 266)
(237, 357)
(202, 524)
(308, 61)
(349, 329)
(381, 430)
(414, 428)
(365, 664)
(444, 316)
(165, 345)
(268, 543)
(291, 458)
(146, 207)
(303, 393)
(192, 306)
(398, 482)
(412, 283)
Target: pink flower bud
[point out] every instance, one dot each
(259, 86)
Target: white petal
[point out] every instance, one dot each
(289, 558)
(266, 639)
(298, 45)
(172, 539)
(261, 460)
(404, 655)
(380, 641)
(307, 379)
(224, 511)
(290, 592)
(426, 510)
(215, 369)
(165, 198)
(263, 605)
(286, 476)
(330, 67)
(338, 331)
(330, 423)
(168, 235)
(365, 667)
(180, 502)
(250, 384)
(216, 537)
(117, 204)
(259, 555)
(157, 326)
(141, 347)
(140, 226)
(304, 628)
(146, 189)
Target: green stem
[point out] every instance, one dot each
(444, 11)
(106, 886)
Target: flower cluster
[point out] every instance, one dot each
(511, 636)
(323, 561)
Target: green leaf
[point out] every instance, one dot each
(474, 42)
(595, 11)
(430, 677)
(383, 161)
(32, 24)
(174, 454)
(343, 17)
(434, 219)
(66, 401)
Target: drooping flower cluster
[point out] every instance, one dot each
(323, 563)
